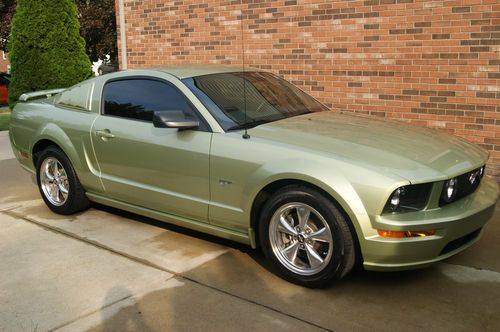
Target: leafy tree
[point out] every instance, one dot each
(7, 8)
(98, 28)
(46, 49)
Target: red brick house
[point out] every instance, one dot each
(432, 63)
(4, 62)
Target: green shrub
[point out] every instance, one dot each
(47, 51)
(4, 121)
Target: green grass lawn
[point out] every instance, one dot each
(4, 119)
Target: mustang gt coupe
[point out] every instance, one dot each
(245, 155)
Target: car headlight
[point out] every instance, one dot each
(460, 186)
(481, 172)
(450, 190)
(408, 198)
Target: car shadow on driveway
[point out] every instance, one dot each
(442, 297)
(445, 296)
(234, 291)
(130, 319)
(173, 228)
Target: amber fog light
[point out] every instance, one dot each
(421, 233)
(401, 234)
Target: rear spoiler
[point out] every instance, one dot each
(38, 94)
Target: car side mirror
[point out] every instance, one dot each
(173, 119)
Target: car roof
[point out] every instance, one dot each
(193, 70)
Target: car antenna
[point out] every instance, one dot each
(245, 134)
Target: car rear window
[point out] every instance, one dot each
(77, 97)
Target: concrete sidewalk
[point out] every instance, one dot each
(107, 270)
(5, 150)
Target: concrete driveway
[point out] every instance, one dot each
(107, 270)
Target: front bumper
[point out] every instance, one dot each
(457, 225)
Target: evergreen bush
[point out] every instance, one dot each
(47, 51)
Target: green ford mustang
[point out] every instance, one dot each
(247, 156)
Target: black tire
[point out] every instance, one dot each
(76, 199)
(336, 265)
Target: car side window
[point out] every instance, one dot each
(140, 98)
(77, 97)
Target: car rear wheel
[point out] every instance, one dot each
(306, 237)
(58, 184)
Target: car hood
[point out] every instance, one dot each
(414, 153)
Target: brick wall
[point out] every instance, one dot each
(4, 62)
(432, 63)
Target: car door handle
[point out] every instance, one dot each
(104, 134)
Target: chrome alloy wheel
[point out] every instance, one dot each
(54, 181)
(301, 238)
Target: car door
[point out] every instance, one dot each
(164, 169)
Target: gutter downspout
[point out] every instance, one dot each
(123, 37)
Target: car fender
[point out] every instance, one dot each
(317, 174)
(54, 133)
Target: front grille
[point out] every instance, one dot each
(461, 241)
(466, 184)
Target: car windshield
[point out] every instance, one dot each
(264, 96)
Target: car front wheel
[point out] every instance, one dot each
(58, 184)
(306, 237)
